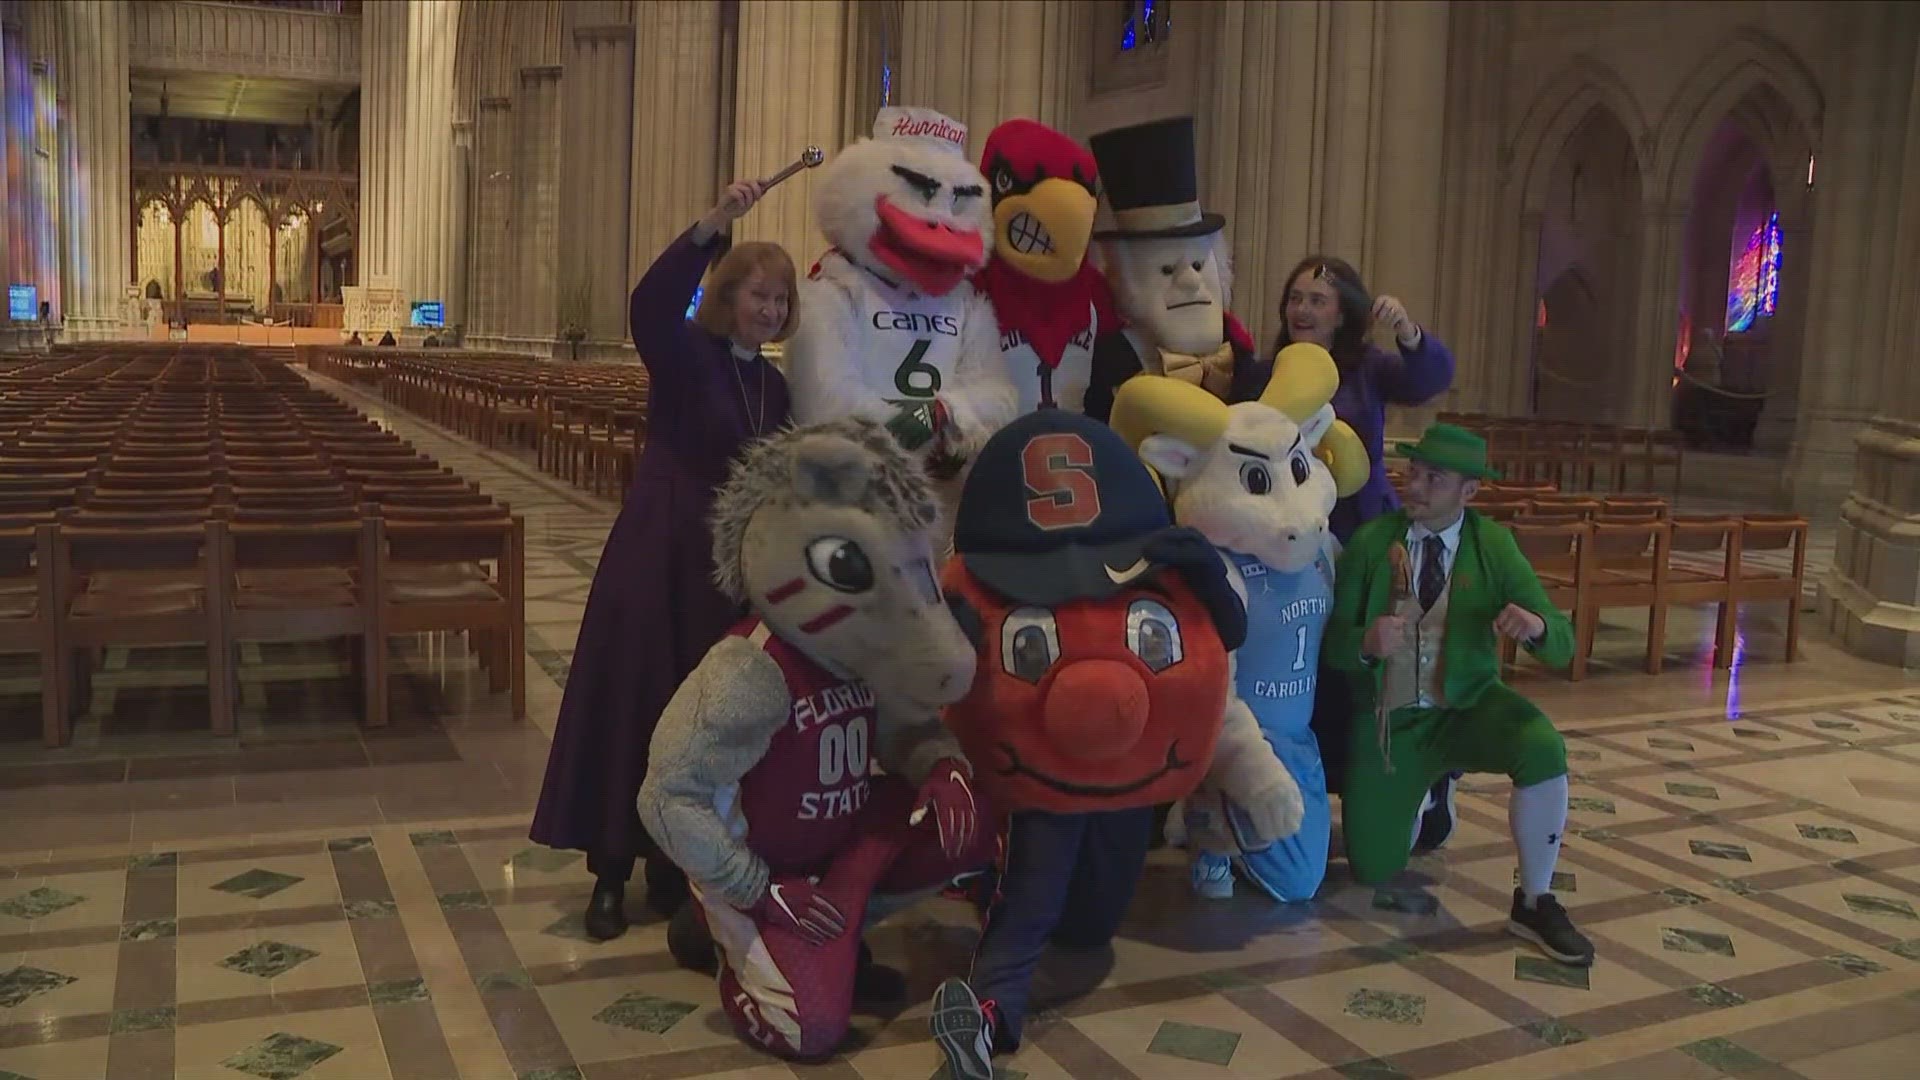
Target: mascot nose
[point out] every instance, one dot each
(1096, 709)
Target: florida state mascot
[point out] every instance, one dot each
(1052, 302)
(1101, 690)
(890, 326)
(1170, 270)
(765, 782)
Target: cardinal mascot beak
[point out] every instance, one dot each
(1044, 232)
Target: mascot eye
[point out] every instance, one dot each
(1002, 181)
(1198, 263)
(1167, 270)
(1153, 635)
(1255, 478)
(1029, 644)
(840, 564)
(1301, 469)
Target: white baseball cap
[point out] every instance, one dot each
(924, 125)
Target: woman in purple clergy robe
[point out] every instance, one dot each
(653, 611)
(1327, 303)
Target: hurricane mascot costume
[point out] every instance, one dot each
(1050, 299)
(1168, 263)
(1259, 480)
(1101, 689)
(891, 327)
(766, 778)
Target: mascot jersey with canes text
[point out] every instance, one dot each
(1052, 302)
(763, 784)
(1101, 690)
(1259, 480)
(890, 326)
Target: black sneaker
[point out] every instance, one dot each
(963, 1029)
(1436, 825)
(1546, 925)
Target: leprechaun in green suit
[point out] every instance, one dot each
(1422, 596)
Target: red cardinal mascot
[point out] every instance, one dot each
(1051, 300)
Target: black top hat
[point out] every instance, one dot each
(1152, 185)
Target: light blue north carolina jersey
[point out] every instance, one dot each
(1279, 664)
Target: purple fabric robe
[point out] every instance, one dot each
(1410, 377)
(654, 611)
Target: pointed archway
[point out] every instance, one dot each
(1585, 280)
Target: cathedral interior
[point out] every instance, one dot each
(369, 262)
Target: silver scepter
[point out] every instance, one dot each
(808, 158)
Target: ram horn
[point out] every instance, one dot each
(1346, 458)
(1157, 405)
(1304, 378)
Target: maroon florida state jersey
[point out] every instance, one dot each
(802, 799)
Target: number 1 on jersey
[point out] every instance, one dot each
(1300, 657)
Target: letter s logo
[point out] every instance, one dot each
(1058, 471)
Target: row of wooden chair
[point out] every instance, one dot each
(164, 496)
(584, 422)
(75, 586)
(1659, 562)
(1582, 457)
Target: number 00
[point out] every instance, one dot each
(843, 751)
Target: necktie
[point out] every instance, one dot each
(1433, 571)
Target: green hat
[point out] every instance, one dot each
(1453, 448)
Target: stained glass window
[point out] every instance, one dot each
(1148, 22)
(1753, 285)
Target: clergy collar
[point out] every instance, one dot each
(741, 352)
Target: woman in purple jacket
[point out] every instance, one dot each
(653, 610)
(1328, 304)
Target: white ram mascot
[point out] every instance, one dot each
(1259, 479)
(890, 326)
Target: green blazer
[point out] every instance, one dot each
(1489, 572)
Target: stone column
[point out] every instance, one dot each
(788, 96)
(384, 34)
(1263, 162)
(93, 79)
(423, 230)
(460, 191)
(1476, 217)
(1787, 336)
(533, 286)
(1871, 598)
(1853, 278)
(594, 185)
(491, 254)
(1649, 365)
(49, 154)
(985, 61)
(681, 134)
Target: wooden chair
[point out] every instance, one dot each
(1559, 555)
(1774, 532)
(491, 607)
(302, 580)
(1703, 556)
(1628, 568)
(95, 614)
(28, 623)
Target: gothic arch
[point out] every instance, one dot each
(1559, 109)
(1750, 61)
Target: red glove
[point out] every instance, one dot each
(798, 904)
(948, 794)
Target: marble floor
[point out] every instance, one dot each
(307, 900)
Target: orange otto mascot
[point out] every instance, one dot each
(1050, 299)
(1102, 632)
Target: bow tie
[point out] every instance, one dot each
(1212, 372)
